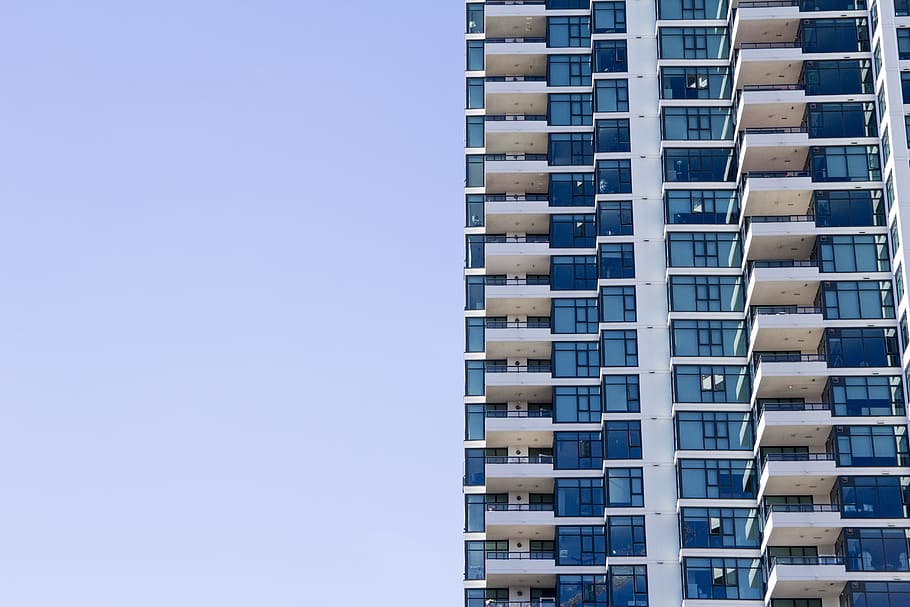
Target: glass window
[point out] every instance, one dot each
(717, 478)
(694, 43)
(617, 260)
(626, 536)
(620, 348)
(564, 32)
(474, 21)
(474, 89)
(475, 560)
(624, 488)
(474, 293)
(485, 597)
(581, 545)
(611, 95)
(857, 299)
(609, 17)
(575, 359)
(700, 123)
(720, 528)
(622, 440)
(614, 218)
(711, 384)
(613, 135)
(629, 586)
(474, 131)
(571, 189)
(577, 450)
(568, 4)
(611, 56)
(474, 461)
(706, 294)
(474, 53)
(868, 446)
(621, 394)
(573, 272)
(582, 590)
(835, 208)
(570, 109)
(692, 9)
(474, 244)
(899, 282)
(617, 304)
(865, 396)
(572, 231)
(574, 315)
(880, 594)
(579, 496)
(905, 87)
(695, 82)
(701, 206)
(704, 249)
(876, 549)
(860, 253)
(708, 338)
(574, 404)
(882, 107)
(569, 70)
(711, 430)
(474, 422)
(474, 213)
(474, 506)
(614, 176)
(834, 35)
(474, 339)
(473, 378)
(474, 171)
(699, 164)
(895, 238)
(571, 149)
(720, 578)
(828, 120)
(862, 348)
(838, 77)
(874, 496)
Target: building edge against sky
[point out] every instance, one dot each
(685, 317)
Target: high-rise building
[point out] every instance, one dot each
(686, 319)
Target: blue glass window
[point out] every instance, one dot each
(704, 249)
(619, 348)
(841, 120)
(611, 95)
(574, 315)
(697, 123)
(579, 497)
(867, 446)
(711, 384)
(708, 338)
(577, 450)
(874, 496)
(474, 55)
(474, 292)
(613, 135)
(694, 43)
(617, 304)
(834, 35)
(474, 18)
(719, 578)
(845, 163)
(574, 404)
(570, 109)
(474, 422)
(614, 218)
(857, 299)
(573, 272)
(474, 89)
(880, 594)
(865, 396)
(860, 253)
(903, 44)
(474, 334)
(474, 213)
(473, 378)
(572, 189)
(838, 77)
(849, 208)
(685, 9)
(617, 260)
(626, 536)
(581, 545)
(706, 294)
(695, 82)
(614, 176)
(474, 171)
(572, 231)
(575, 359)
(582, 590)
(474, 473)
(624, 488)
(569, 70)
(609, 17)
(702, 206)
(714, 430)
(473, 247)
(621, 394)
(564, 32)
(571, 149)
(628, 586)
(717, 478)
(720, 528)
(611, 56)
(876, 549)
(862, 348)
(474, 560)
(474, 131)
(622, 440)
(699, 164)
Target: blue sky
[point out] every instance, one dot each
(230, 254)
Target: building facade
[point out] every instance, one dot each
(685, 313)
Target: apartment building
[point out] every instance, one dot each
(685, 314)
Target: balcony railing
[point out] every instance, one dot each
(519, 507)
(787, 44)
(516, 2)
(515, 79)
(514, 157)
(766, 3)
(806, 560)
(763, 406)
(527, 238)
(537, 413)
(518, 459)
(803, 508)
(798, 457)
(530, 279)
(542, 366)
(537, 323)
(782, 263)
(521, 556)
(534, 603)
(779, 218)
(781, 310)
(774, 174)
(517, 197)
(516, 117)
(787, 357)
(525, 40)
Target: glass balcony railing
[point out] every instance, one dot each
(781, 311)
(763, 406)
(517, 197)
(521, 556)
(526, 413)
(517, 238)
(533, 366)
(779, 219)
(519, 40)
(806, 561)
(531, 603)
(542, 322)
(519, 507)
(787, 357)
(797, 457)
(515, 117)
(802, 508)
(530, 279)
(515, 157)
(530, 78)
(518, 459)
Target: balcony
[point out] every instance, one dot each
(797, 473)
(517, 162)
(771, 21)
(785, 327)
(515, 467)
(520, 253)
(801, 525)
(519, 420)
(522, 294)
(789, 375)
(779, 237)
(786, 424)
(507, 520)
(806, 576)
(760, 105)
(778, 148)
(519, 563)
(776, 193)
(505, 125)
(520, 212)
(763, 63)
(782, 282)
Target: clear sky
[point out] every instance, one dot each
(230, 303)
